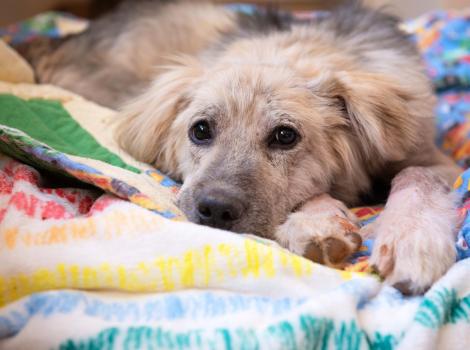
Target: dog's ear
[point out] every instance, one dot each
(145, 129)
(382, 113)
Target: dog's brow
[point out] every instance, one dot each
(210, 111)
(284, 118)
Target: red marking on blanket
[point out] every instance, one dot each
(21, 172)
(102, 203)
(366, 212)
(53, 210)
(20, 191)
(71, 196)
(6, 184)
(8, 167)
(25, 203)
(85, 205)
(67, 194)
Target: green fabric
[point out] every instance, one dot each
(48, 122)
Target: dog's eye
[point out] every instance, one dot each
(283, 137)
(200, 133)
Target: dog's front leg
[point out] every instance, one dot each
(322, 230)
(415, 234)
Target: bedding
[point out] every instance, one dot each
(95, 255)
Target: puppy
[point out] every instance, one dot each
(275, 128)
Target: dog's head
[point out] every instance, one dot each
(254, 141)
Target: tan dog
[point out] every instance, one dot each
(276, 128)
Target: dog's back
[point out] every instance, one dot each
(120, 53)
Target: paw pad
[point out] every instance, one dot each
(333, 250)
(314, 252)
(336, 250)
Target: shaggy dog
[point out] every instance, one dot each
(277, 127)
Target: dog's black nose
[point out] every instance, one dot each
(219, 210)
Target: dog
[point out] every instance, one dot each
(277, 127)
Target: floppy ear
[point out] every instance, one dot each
(145, 126)
(383, 114)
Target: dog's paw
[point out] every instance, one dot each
(412, 251)
(321, 237)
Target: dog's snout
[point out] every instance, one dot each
(219, 210)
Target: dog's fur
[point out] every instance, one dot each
(351, 84)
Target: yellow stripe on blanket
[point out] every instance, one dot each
(205, 267)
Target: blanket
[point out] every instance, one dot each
(95, 255)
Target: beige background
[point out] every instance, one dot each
(14, 10)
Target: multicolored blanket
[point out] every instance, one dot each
(94, 254)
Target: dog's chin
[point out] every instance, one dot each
(242, 227)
